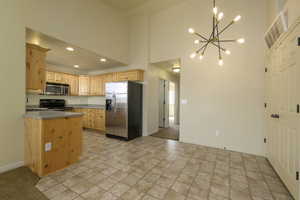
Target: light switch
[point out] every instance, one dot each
(184, 101)
(48, 146)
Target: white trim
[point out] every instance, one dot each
(11, 166)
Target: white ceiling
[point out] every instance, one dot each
(125, 4)
(60, 57)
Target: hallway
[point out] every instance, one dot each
(171, 133)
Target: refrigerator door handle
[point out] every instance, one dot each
(114, 102)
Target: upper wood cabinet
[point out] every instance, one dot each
(92, 85)
(84, 85)
(35, 67)
(58, 77)
(134, 75)
(96, 85)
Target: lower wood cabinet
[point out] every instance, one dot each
(93, 118)
(52, 144)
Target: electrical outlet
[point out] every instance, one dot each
(217, 133)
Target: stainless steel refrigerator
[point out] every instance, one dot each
(124, 110)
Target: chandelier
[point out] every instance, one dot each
(214, 38)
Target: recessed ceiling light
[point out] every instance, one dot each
(76, 66)
(70, 48)
(103, 59)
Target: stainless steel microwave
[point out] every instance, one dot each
(57, 89)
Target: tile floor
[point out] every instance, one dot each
(151, 168)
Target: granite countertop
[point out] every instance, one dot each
(50, 114)
(87, 106)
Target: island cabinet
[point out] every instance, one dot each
(52, 144)
(93, 118)
(35, 67)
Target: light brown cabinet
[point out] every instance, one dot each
(84, 85)
(92, 85)
(35, 67)
(134, 75)
(93, 118)
(70, 79)
(52, 144)
(96, 85)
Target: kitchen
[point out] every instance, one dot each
(63, 98)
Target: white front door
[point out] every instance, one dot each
(283, 114)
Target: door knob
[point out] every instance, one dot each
(275, 116)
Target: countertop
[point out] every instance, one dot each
(50, 114)
(92, 106)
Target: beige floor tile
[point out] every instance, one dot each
(158, 192)
(132, 194)
(57, 189)
(173, 195)
(81, 187)
(106, 184)
(65, 195)
(119, 189)
(181, 188)
(131, 179)
(94, 193)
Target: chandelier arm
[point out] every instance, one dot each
(202, 47)
(227, 40)
(216, 45)
(214, 19)
(219, 47)
(202, 37)
(226, 27)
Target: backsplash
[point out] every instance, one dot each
(34, 99)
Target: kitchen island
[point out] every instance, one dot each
(53, 140)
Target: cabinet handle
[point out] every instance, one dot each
(46, 166)
(275, 116)
(61, 137)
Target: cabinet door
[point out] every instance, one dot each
(74, 131)
(84, 85)
(136, 75)
(96, 85)
(74, 85)
(50, 77)
(58, 77)
(35, 68)
(56, 156)
(99, 119)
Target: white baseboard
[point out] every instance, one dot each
(11, 166)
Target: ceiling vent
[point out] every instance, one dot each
(279, 26)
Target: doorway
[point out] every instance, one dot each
(168, 93)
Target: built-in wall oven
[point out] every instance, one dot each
(57, 89)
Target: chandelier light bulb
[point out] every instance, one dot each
(215, 10)
(193, 55)
(237, 18)
(227, 52)
(196, 41)
(220, 16)
(221, 62)
(191, 31)
(241, 40)
(201, 57)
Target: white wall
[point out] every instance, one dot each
(87, 24)
(227, 99)
(12, 83)
(154, 75)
